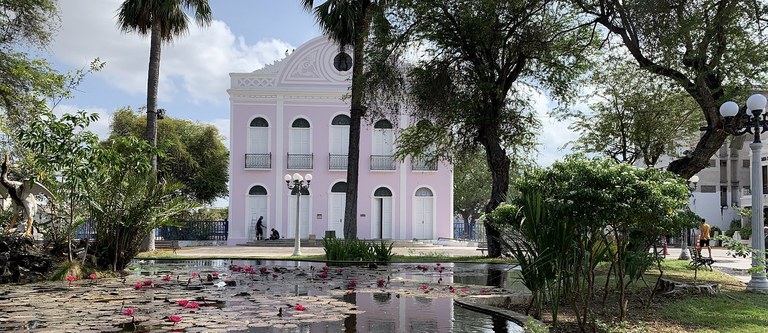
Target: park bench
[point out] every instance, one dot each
(697, 260)
(167, 244)
(482, 247)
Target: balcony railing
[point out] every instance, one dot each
(382, 162)
(300, 161)
(423, 164)
(337, 162)
(258, 161)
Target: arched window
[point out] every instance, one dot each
(258, 154)
(424, 192)
(300, 123)
(339, 145)
(300, 149)
(259, 122)
(257, 190)
(383, 124)
(340, 187)
(382, 192)
(383, 146)
(342, 120)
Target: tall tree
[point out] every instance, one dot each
(26, 82)
(712, 49)
(641, 119)
(348, 23)
(162, 20)
(470, 187)
(193, 154)
(473, 82)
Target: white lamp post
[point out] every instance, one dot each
(684, 246)
(296, 184)
(754, 124)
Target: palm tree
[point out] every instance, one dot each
(162, 20)
(348, 23)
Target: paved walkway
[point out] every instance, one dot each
(735, 266)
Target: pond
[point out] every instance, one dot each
(263, 296)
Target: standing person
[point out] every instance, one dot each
(260, 228)
(704, 238)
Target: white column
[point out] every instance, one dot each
(758, 282)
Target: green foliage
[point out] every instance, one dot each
(708, 48)
(475, 83)
(382, 252)
(643, 118)
(356, 250)
(733, 227)
(471, 186)
(127, 203)
(192, 153)
(572, 210)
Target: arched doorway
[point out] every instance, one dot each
(423, 213)
(257, 203)
(336, 204)
(381, 217)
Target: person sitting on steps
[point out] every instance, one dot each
(274, 234)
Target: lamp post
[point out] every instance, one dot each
(755, 124)
(296, 184)
(684, 246)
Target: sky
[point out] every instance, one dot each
(244, 36)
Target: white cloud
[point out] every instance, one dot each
(223, 126)
(197, 64)
(99, 127)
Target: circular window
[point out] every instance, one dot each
(342, 62)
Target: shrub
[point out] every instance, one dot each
(356, 250)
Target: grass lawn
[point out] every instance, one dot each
(733, 310)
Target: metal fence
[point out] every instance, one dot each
(195, 230)
(188, 230)
(460, 231)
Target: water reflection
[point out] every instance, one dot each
(378, 311)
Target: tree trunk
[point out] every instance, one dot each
(153, 77)
(356, 114)
(498, 163)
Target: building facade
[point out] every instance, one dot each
(292, 117)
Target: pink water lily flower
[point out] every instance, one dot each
(339, 271)
(274, 276)
(263, 270)
(167, 278)
(299, 307)
(147, 282)
(381, 283)
(215, 275)
(192, 305)
(182, 302)
(129, 311)
(352, 283)
(325, 268)
(323, 275)
(174, 318)
(138, 285)
(424, 287)
(194, 274)
(70, 278)
(92, 276)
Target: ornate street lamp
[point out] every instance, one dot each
(296, 184)
(684, 247)
(754, 124)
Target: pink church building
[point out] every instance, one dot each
(292, 117)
